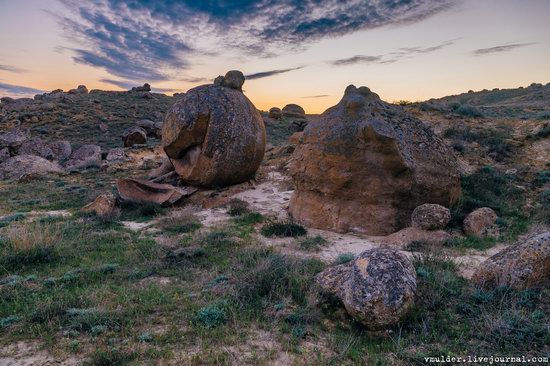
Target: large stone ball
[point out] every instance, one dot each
(214, 135)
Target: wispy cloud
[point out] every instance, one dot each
(12, 69)
(265, 74)
(18, 90)
(501, 48)
(392, 57)
(143, 40)
(315, 96)
(194, 80)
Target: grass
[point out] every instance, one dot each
(181, 223)
(312, 243)
(238, 207)
(495, 140)
(283, 229)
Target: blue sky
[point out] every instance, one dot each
(304, 52)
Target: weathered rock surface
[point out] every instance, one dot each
(294, 111)
(377, 288)
(522, 265)
(275, 113)
(153, 129)
(13, 139)
(104, 206)
(140, 191)
(62, 150)
(84, 157)
(116, 154)
(23, 166)
(431, 216)
(38, 147)
(233, 79)
(479, 221)
(4, 154)
(365, 165)
(134, 136)
(214, 136)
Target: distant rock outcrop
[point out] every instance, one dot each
(377, 289)
(145, 88)
(522, 265)
(275, 113)
(213, 135)
(364, 166)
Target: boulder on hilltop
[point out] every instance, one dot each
(364, 165)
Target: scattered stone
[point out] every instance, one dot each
(364, 165)
(24, 166)
(522, 265)
(117, 154)
(407, 236)
(103, 206)
(13, 139)
(134, 136)
(61, 150)
(145, 88)
(38, 147)
(153, 129)
(479, 222)
(214, 136)
(86, 156)
(293, 111)
(275, 113)
(4, 154)
(140, 191)
(377, 288)
(431, 216)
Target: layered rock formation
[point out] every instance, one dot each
(364, 165)
(213, 135)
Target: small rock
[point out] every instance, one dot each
(522, 265)
(84, 157)
(134, 136)
(377, 289)
(294, 111)
(478, 222)
(115, 155)
(61, 150)
(234, 79)
(104, 206)
(430, 216)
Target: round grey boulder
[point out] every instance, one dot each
(479, 221)
(22, 166)
(430, 216)
(134, 136)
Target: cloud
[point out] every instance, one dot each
(315, 96)
(18, 90)
(265, 74)
(194, 80)
(501, 48)
(392, 57)
(144, 40)
(12, 69)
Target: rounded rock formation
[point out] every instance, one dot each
(134, 136)
(275, 113)
(61, 150)
(84, 157)
(430, 216)
(294, 111)
(364, 166)
(522, 265)
(21, 166)
(38, 147)
(479, 221)
(214, 135)
(377, 289)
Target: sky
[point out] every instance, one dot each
(291, 51)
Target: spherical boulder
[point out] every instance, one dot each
(478, 222)
(84, 157)
(377, 288)
(364, 165)
(134, 136)
(38, 147)
(21, 166)
(214, 135)
(61, 150)
(522, 265)
(430, 216)
(294, 111)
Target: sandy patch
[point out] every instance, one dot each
(26, 353)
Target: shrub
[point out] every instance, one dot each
(90, 320)
(6, 220)
(542, 178)
(182, 222)
(218, 239)
(344, 258)
(468, 111)
(283, 229)
(313, 242)
(250, 218)
(111, 357)
(238, 207)
(212, 315)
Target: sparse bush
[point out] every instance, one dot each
(91, 319)
(6, 220)
(111, 357)
(250, 218)
(213, 315)
(218, 239)
(466, 110)
(8, 321)
(283, 229)
(183, 222)
(344, 258)
(144, 210)
(312, 242)
(542, 178)
(238, 207)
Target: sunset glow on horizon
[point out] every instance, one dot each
(291, 51)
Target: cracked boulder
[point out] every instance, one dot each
(364, 166)
(214, 135)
